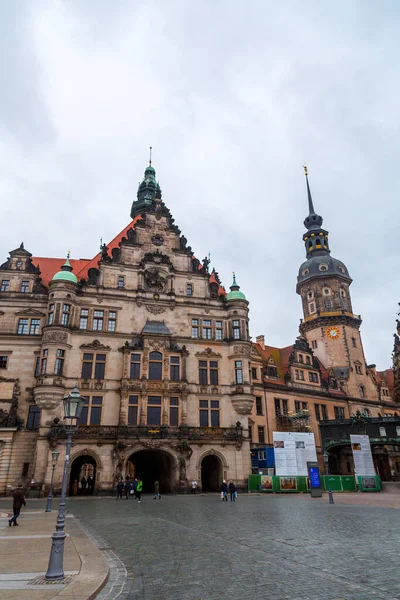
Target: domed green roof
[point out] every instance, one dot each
(235, 293)
(66, 273)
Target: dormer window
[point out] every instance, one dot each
(5, 285)
(24, 287)
(323, 267)
(327, 291)
(308, 360)
(301, 358)
(305, 272)
(341, 268)
(310, 295)
(19, 264)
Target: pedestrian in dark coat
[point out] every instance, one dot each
(120, 487)
(157, 490)
(18, 501)
(224, 489)
(127, 487)
(232, 490)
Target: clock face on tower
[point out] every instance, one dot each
(333, 333)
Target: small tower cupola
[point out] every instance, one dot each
(235, 293)
(148, 191)
(66, 273)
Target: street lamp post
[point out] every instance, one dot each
(326, 461)
(73, 405)
(54, 459)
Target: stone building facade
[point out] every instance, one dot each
(157, 347)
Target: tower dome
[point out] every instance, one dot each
(66, 273)
(235, 293)
(148, 191)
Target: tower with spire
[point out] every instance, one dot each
(329, 324)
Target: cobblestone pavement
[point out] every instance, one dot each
(260, 547)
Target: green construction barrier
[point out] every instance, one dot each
(254, 483)
(334, 482)
(348, 483)
(369, 483)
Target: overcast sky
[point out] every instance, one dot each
(234, 97)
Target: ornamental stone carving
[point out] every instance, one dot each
(208, 352)
(242, 404)
(95, 345)
(156, 310)
(55, 336)
(246, 350)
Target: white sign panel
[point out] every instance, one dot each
(363, 462)
(292, 452)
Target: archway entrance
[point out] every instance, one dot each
(211, 473)
(152, 465)
(83, 469)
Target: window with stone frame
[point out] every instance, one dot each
(25, 285)
(254, 373)
(98, 320)
(3, 362)
(189, 289)
(112, 320)
(238, 372)
(43, 361)
(5, 285)
(236, 330)
(358, 369)
(84, 319)
(259, 406)
(66, 313)
(92, 409)
(308, 360)
(154, 410)
(134, 371)
(311, 308)
(34, 328)
(174, 368)
(299, 375)
(33, 420)
(174, 411)
(314, 344)
(272, 371)
(60, 357)
(339, 412)
(50, 316)
(209, 413)
(155, 366)
(133, 410)
(261, 434)
(195, 329)
(23, 326)
(207, 329)
(93, 366)
(313, 377)
(121, 281)
(218, 330)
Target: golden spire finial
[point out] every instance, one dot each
(305, 170)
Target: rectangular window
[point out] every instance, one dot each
(100, 366)
(277, 403)
(272, 372)
(43, 364)
(207, 330)
(98, 319)
(66, 311)
(3, 362)
(189, 289)
(213, 372)
(195, 328)
(87, 366)
(154, 410)
(5, 285)
(308, 360)
(84, 318)
(112, 321)
(324, 412)
(37, 366)
(314, 344)
(299, 375)
(313, 377)
(297, 406)
(218, 330)
(203, 413)
(353, 341)
(24, 287)
(59, 362)
(317, 412)
(304, 405)
(236, 330)
(262, 455)
(25, 470)
(259, 410)
(261, 435)
(203, 372)
(33, 421)
(328, 303)
(214, 413)
(22, 327)
(174, 411)
(254, 373)
(95, 412)
(155, 366)
(209, 413)
(121, 281)
(339, 412)
(358, 369)
(133, 409)
(311, 307)
(34, 327)
(285, 407)
(135, 366)
(174, 369)
(50, 318)
(238, 372)
(83, 419)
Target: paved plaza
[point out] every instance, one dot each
(260, 547)
(275, 548)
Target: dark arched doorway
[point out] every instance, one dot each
(211, 473)
(83, 466)
(152, 465)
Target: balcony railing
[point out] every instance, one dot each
(115, 432)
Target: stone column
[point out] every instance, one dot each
(6, 444)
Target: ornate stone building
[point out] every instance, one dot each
(157, 347)
(324, 377)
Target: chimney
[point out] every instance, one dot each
(261, 340)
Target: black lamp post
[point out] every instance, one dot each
(54, 459)
(73, 405)
(326, 461)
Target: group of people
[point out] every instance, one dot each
(130, 488)
(228, 487)
(83, 487)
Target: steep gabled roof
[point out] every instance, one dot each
(50, 266)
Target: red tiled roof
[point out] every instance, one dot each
(386, 378)
(50, 266)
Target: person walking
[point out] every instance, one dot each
(127, 487)
(139, 489)
(120, 487)
(224, 489)
(18, 501)
(157, 490)
(135, 482)
(194, 486)
(232, 490)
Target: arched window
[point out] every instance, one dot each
(301, 358)
(310, 244)
(362, 391)
(155, 365)
(318, 243)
